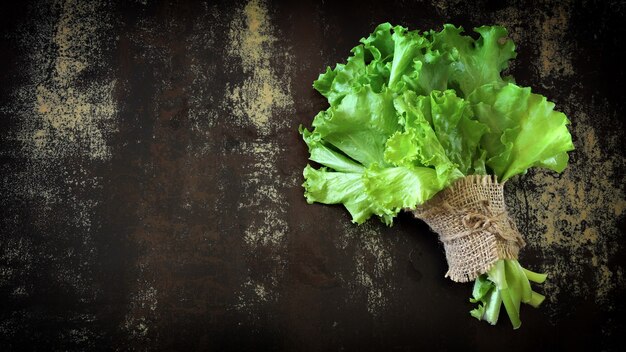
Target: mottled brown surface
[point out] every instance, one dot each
(151, 172)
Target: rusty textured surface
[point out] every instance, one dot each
(151, 172)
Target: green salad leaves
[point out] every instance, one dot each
(411, 112)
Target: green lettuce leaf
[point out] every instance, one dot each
(478, 61)
(360, 125)
(326, 155)
(395, 188)
(329, 187)
(373, 191)
(407, 48)
(432, 72)
(525, 130)
(380, 43)
(335, 84)
(456, 129)
(352, 138)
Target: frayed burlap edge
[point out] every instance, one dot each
(472, 222)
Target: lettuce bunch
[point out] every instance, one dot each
(411, 112)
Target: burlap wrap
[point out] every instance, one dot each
(473, 224)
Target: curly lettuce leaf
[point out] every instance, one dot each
(525, 130)
(360, 125)
(395, 188)
(380, 43)
(432, 72)
(440, 126)
(407, 46)
(335, 84)
(373, 191)
(416, 65)
(456, 129)
(356, 140)
(330, 187)
(326, 155)
(478, 61)
(418, 131)
(370, 64)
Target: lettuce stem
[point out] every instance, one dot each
(535, 277)
(492, 310)
(536, 299)
(508, 284)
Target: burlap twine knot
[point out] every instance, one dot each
(472, 222)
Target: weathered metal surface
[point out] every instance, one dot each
(151, 172)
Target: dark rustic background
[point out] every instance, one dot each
(151, 172)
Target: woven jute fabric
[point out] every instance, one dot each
(472, 222)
